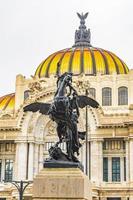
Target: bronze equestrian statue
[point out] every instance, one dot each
(64, 110)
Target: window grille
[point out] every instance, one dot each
(122, 96)
(116, 169)
(124, 168)
(106, 96)
(105, 169)
(8, 170)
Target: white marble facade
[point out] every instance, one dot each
(31, 134)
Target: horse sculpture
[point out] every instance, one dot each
(64, 110)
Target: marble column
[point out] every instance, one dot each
(131, 159)
(124, 198)
(127, 160)
(21, 161)
(130, 198)
(30, 161)
(41, 159)
(96, 161)
(36, 160)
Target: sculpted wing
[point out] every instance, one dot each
(85, 16)
(79, 16)
(84, 101)
(37, 106)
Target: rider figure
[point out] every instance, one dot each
(74, 121)
(65, 112)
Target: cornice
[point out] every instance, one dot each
(9, 129)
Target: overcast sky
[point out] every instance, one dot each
(30, 30)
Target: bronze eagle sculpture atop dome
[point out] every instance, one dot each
(82, 16)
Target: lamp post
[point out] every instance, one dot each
(83, 86)
(87, 143)
(21, 186)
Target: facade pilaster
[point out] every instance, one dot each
(122, 168)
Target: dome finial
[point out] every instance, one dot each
(82, 35)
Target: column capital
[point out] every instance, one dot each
(96, 140)
(21, 141)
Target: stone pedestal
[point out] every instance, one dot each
(61, 184)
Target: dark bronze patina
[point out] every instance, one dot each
(64, 110)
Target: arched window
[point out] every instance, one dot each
(106, 96)
(92, 92)
(123, 96)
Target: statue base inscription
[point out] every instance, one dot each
(61, 184)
